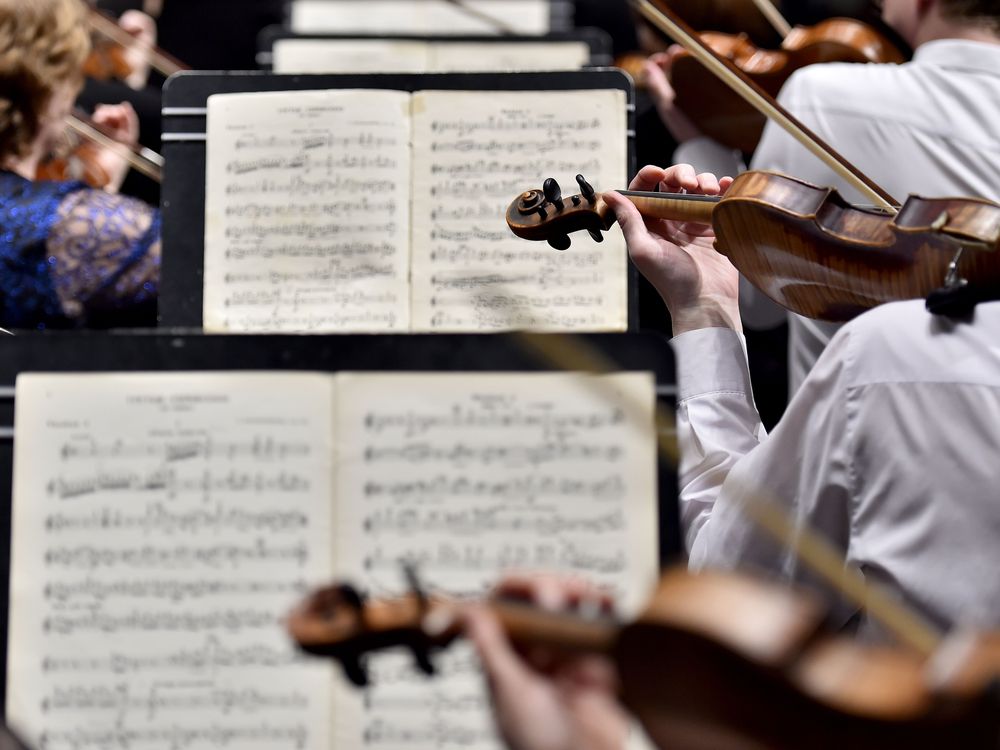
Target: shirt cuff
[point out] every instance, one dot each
(711, 360)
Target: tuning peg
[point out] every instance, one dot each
(553, 193)
(350, 597)
(586, 188)
(598, 237)
(560, 241)
(355, 670)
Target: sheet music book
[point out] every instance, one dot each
(292, 55)
(423, 17)
(163, 524)
(379, 210)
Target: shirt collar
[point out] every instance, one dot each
(962, 54)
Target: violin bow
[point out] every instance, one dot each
(158, 59)
(821, 557)
(770, 11)
(145, 160)
(668, 22)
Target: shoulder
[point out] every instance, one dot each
(105, 215)
(902, 342)
(29, 209)
(851, 85)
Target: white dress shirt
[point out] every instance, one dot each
(928, 127)
(891, 450)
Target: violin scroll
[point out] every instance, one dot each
(546, 215)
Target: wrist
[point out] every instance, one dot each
(705, 313)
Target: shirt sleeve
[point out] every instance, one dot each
(707, 155)
(727, 460)
(104, 253)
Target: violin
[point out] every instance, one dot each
(79, 158)
(107, 62)
(727, 118)
(803, 246)
(788, 681)
(729, 17)
(108, 59)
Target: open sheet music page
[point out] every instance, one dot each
(448, 57)
(528, 17)
(471, 474)
(350, 56)
(162, 526)
(475, 152)
(307, 218)
(402, 56)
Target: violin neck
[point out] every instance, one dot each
(570, 633)
(674, 206)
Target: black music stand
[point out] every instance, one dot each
(164, 350)
(185, 99)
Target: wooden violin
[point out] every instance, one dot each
(108, 59)
(728, 17)
(801, 245)
(715, 661)
(724, 116)
(79, 158)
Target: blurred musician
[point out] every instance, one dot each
(888, 451)
(925, 127)
(70, 255)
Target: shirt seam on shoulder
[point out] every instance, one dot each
(888, 117)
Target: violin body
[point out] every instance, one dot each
(814, 254)
(717, 661)
(107, 62)
(824, 692)
(80, 163)
(725, 116)
(728, 17)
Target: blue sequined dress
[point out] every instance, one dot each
(72, 256)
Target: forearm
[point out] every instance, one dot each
(717, 421)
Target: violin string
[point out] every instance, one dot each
(669, 24)
(819, 555)
(774, 17)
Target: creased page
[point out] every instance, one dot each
(529, 17)
(350, 56)
(307, 215)
(473, 154)
(467, 475)
(163, 526)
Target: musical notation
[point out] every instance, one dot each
(475, 144)
(165, 524)
(466, 476)
(308, 207)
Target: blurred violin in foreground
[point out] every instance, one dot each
(804, 246)
(715, 661)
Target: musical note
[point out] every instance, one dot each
(478, 150)
(466, 476)
(308, 207)
(165, 524)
